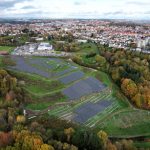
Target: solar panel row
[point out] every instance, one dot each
(88, 110)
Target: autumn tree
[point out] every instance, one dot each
(129, 87)
(102, 63)
(110, 146)
(20, 119)
(138, 99)
(125, 145)
(69, 132)
(46, 147)
(5, 139)
(103, 136)
(30, 141)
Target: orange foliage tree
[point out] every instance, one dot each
(129, 87)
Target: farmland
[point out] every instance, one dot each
(85, 96)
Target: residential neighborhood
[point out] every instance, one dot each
(112, 33)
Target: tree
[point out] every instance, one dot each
(100, 59)
(103, 136)
(110, 146)
(102, 63)
(86, 139)
(66, 146)
(5, 139)
(125, 145)
(129, 87)
(69, 132)
(20, 119)
(138, 99)
(115, 74)
(30, 141)
(72, 147)
(46, 147)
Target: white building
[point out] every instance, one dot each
(44, 46)
(32, 48)
(142, 43)
(82, 41)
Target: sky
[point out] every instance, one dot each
(88, 9)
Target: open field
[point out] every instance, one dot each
(88, 47)
(81, 95)
(128, 123)
(144, 145)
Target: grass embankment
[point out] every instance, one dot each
(43, 92)
(43, 105)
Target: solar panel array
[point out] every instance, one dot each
(83, 87)
(21, 65)
(72, 77)
(41, 66)
(68, 73)
(88, 110)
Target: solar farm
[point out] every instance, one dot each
(68, 91)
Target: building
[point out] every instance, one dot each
(44, 46)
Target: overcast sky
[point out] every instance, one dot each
(117, 9)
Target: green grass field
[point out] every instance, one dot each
(45, 104)
(144, 145)
(7, 48)
(87, 48)
(127, 123)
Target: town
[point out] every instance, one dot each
(113, 33)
